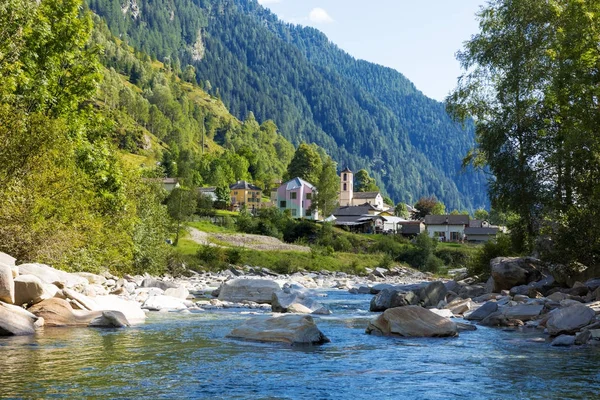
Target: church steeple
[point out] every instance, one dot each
(346, 187)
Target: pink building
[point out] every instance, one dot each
(296, 195)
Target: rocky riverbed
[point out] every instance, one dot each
(521, 294)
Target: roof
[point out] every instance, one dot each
(207, 189)
(167, 181)
(347, 170)
(354, 210)
(296, 183)
(447, 220)
(366, 195)
(395, 220)
(355, 219)
(481, 231)
(243, 185)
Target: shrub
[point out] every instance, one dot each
(480, 263)
(386, 261)
(233, 255)
(341, 243)
(453, 257)
(212, 256)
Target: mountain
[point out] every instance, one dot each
(364, 115)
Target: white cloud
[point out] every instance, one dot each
(267, 2)
(319, 16)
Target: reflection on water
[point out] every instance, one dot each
(188, 356)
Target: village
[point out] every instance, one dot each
(357, 212)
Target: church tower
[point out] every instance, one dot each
(346, 187)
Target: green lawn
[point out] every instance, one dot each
(207, 226)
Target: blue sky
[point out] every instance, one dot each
(419, 38)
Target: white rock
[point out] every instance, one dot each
(442, 313)
(130, 308)
(162, 302)
(179, 292)
(48, 274)
(91, 278)
(257, 290)
(7, 286)
(290, 329)
(16, 321)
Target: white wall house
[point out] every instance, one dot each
(448, 228)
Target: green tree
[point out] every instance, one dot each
(401, 211)
(326, 198)
(482, 214)
(181, 204)
(364, 183)
(306, 164)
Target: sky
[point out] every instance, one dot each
(419, 38)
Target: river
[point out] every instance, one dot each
(188, 356)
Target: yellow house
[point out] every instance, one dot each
(244, 193)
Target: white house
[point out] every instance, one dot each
(448, 228)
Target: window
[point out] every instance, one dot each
(293, 195)
(293, 212)
(345, 186)
(282, 204)
(345, 179)
(235, 193)
(308, 196)
(455, 236)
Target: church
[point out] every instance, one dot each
(349, 198)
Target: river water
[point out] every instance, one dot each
(187, 356)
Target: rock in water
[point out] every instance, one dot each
(483, 311)
(110, 319)
(509, 272)
(58, 312)
(7, 286)
(569, 320)
(256, 290)
(290, 329)
(432, 294)
(563, 341)
(289, 302)
(411, 321)
(15, 321)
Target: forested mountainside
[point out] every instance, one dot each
(364, 115)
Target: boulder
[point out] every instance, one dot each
(290, 329)
(110, 319)
(483, 311)
(256, 290)
(92, 279)
(523, 312)
(499, 319)
(459, 306)
(162, 302)
(564, 341)
(411, 321)
(130, 308)
(153, 282)
(29, 289)
(431, 294)
(178, 292)
(442, 313)
(7, 259)
(282, 301)
(58, 312)
(86, 302)
(390, 298)
(570, 319)
(15, 321)
(7, 286)
(51, 275)
(567, 275)
(472, 291)
(509, 272)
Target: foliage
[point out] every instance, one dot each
(532, 86)
(326, 198)
(481, 214)
(306, 164)
(428, 206)
(401, 211)
(479, 264)
(364, 183)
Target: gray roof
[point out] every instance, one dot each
(481, 231)
(347, 170)
(243, 185)
(355, 219)
(447, 220)
(365, 195)
(354, 210)
(207, 189)
(296, 183)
